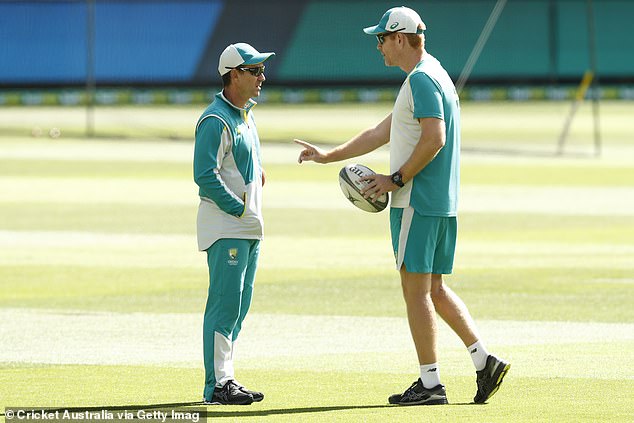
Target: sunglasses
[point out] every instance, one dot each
(381, 37)
(253, 71)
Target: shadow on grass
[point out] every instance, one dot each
(290, 410)
(212, 411)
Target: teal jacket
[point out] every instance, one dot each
(228, 172)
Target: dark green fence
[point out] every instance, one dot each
(534, 40)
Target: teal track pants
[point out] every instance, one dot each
(232, 266)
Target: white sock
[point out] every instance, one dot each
(479, 355)
(430, 375)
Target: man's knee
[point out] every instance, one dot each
(438, 291)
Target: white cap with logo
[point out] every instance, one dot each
(398, 19)
(240, 54)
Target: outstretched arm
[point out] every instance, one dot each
(368, 140)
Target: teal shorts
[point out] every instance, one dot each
(425, 244)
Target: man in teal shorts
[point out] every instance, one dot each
(423, 131)
(228, 171)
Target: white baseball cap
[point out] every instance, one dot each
(240, 54)
(398, 19)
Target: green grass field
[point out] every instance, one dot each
(102, 289)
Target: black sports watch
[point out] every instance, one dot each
(397, 179)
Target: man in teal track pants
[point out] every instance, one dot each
(229, 174)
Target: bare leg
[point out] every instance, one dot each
(453, 311)
(420, 313)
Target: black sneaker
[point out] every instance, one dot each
(490, 378)
(257, 396)
(417, 394)
(230, 394)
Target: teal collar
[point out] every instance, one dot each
(249, 106)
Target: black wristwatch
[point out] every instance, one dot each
(397, 179)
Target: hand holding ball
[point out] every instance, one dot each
(351, 185)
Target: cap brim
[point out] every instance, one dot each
(374, 30)
(258, 58)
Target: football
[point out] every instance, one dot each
(349, 181)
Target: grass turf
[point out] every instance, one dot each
(109, 226)
(547, 294)
(339, 397)
(496, 125)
